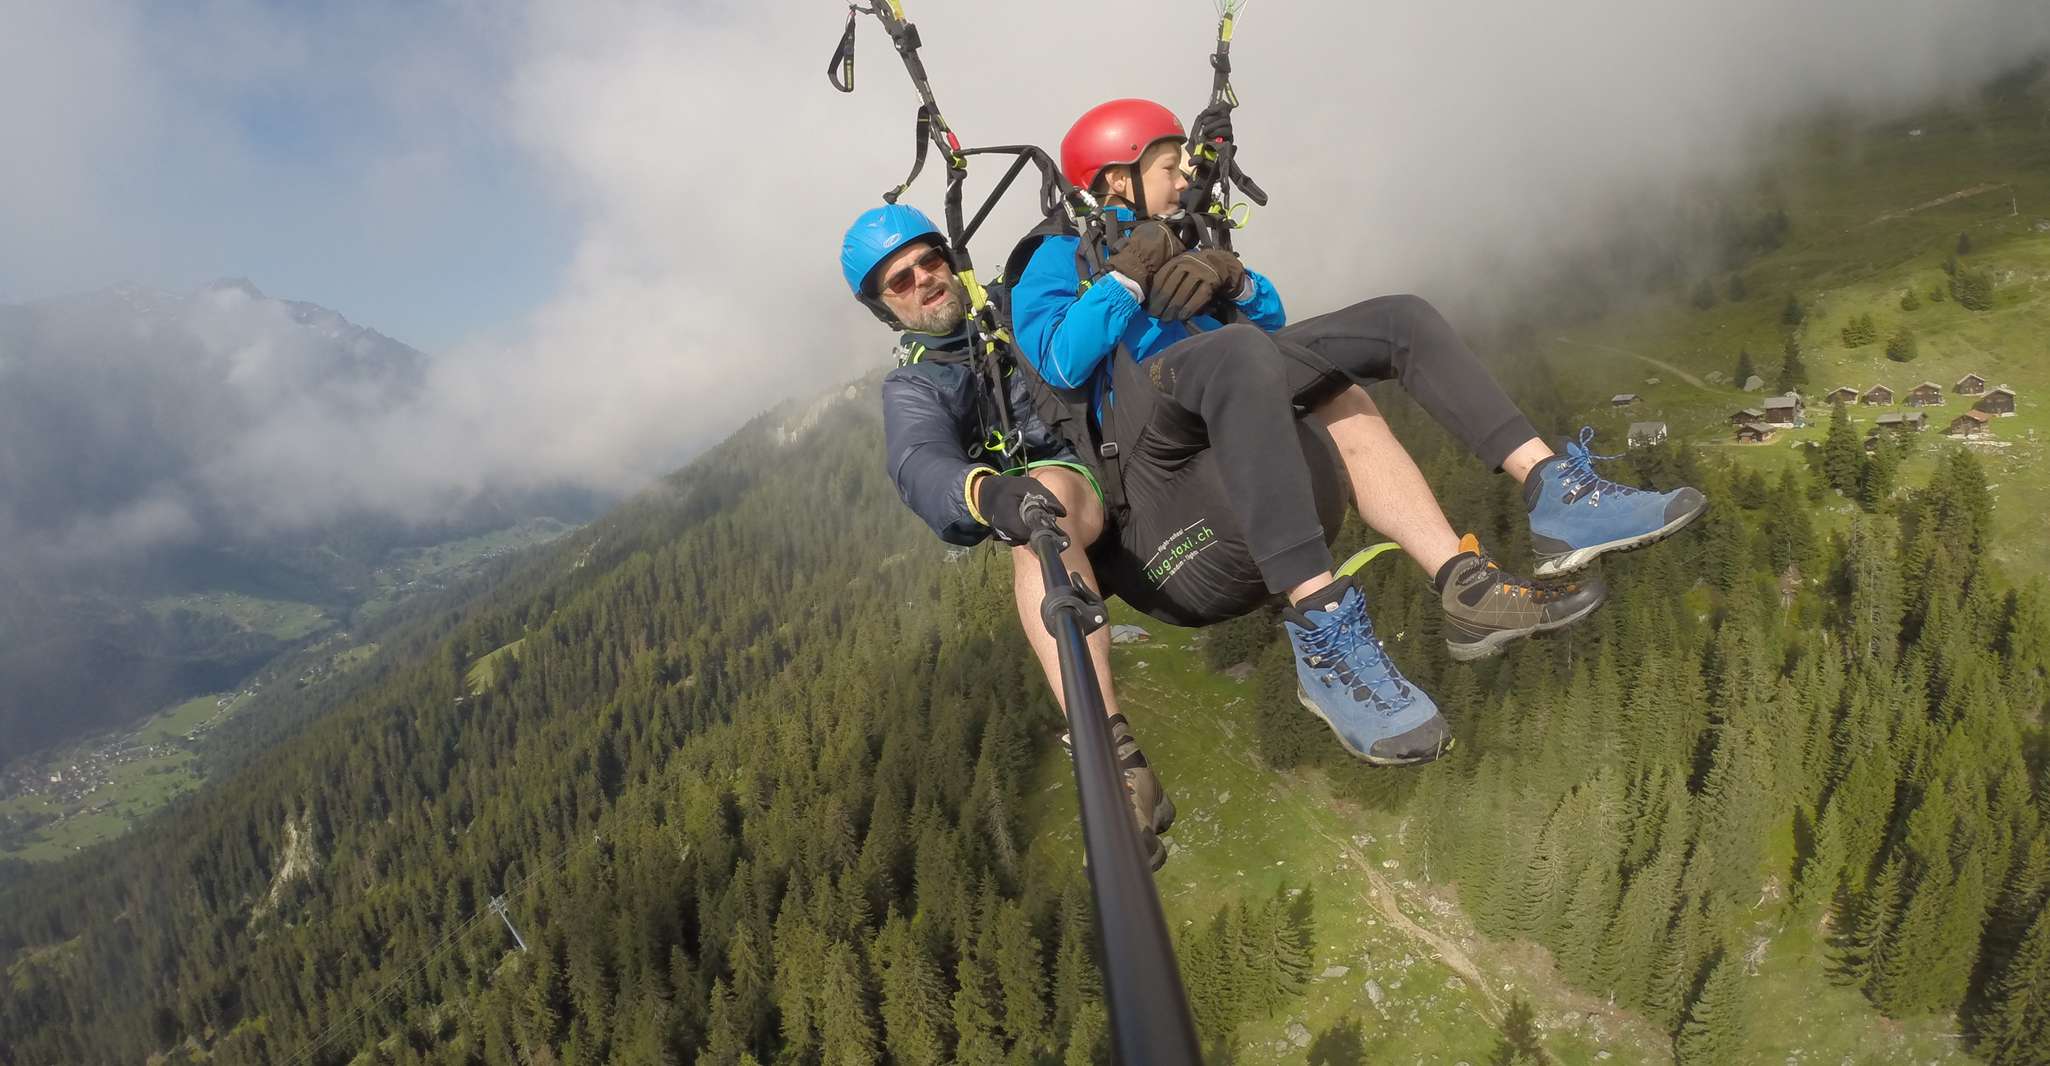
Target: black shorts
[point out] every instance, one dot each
(1178, 550)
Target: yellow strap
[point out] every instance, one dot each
(1367, 555)
(975, 474)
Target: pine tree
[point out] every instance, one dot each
(1910, 301)
(1714, 1032)
(1964, 244)
(2022, 897)
(1973, 289)
(1930, 953)
(1864, 948)
(1519, 1044)
(976, 1003)
(1704, 295)
(1075, 980)
(1286, 945)
(1631, 947)
(1841, 458)
(645, 1039)
(916, 1019)
(1902, 347)
(1088, 1043)
(1789, 527)
(1022, 979)
(725, 1030)
(1678, 963)
(1822, 869)
(847, 1028)
(1793, 314)
(1793, 371)
(1860, 331)
(1745, 367)
(2013, 1027)
(1877, 476)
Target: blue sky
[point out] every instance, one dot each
(354, 155)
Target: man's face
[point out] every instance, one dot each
(918, 286)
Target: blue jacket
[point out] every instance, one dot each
(1068, 335)
(931, 419)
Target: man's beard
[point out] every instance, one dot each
(943, 317)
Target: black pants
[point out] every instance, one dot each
(1406, 340)
(1230, 494)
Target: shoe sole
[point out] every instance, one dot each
(1303, 698)
(1579, 558)
(1163, 812)
(1492, 644)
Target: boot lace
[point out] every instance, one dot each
(1528, 588)
(1346, 644)
(1577, 471)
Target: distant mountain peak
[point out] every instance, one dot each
(242, 285)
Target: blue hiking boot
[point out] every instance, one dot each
(1577, 515)
(1345, 677)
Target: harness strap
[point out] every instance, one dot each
(840, 68)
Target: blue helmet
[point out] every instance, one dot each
(878, 232)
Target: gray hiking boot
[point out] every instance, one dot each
(1152, 810)
(1486, 607)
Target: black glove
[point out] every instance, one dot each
(1003, 501)
(1148, 248)
(1190, 281)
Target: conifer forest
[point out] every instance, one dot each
(751, 787)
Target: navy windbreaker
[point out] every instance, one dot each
(931, 420)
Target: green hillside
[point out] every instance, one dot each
(1876, 215)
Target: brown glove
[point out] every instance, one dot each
(1148, 248)
(1190, 281)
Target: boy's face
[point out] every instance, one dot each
(919, 287)
(1162, 176)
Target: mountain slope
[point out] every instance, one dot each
(161, 451)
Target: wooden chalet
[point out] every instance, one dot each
(1755, 433)
(1969, 385)
(1970, 424)
(1998, 400)
(1623, 399)
(1877, 396)
(1646, 434)
(1927, 394)
(1903, 421)
(1748, 414)
(1782, 410)
(1843, 394)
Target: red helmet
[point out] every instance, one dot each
(1114, 133)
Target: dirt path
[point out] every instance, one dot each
(1385, 899)
(1961, 194)
(1381, 893)
(1661, 364)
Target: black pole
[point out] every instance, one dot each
(1150, 1021)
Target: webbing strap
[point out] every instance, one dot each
(840, 68)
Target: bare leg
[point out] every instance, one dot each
(1296, 594)
(1526, 456)
(1083, 525)
(1387, 487)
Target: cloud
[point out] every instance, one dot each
(1406, 148)
(698, 173)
